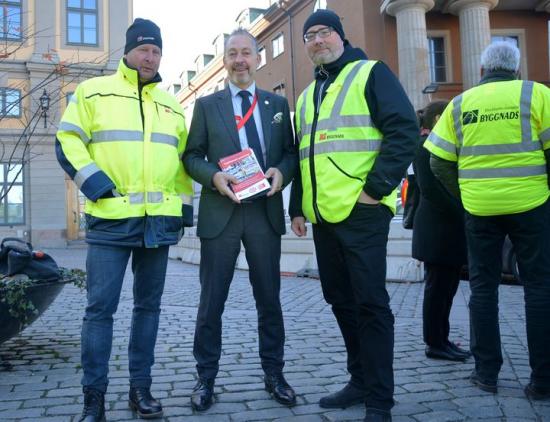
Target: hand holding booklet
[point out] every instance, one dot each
(245, 167)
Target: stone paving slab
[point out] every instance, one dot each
(40, 369)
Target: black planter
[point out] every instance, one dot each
(41, 295)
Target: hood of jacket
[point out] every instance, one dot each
(350, 54)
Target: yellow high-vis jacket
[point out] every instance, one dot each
(121, 142)
(342, 146)
(497, 133)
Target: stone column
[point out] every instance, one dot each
(475, 35)
(412, 46)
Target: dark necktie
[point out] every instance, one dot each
(251, 130)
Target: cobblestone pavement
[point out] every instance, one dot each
(40, 369)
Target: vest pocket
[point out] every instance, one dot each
(341, 170)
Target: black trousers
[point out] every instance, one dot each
(352, 266)
(249, 224)
(441, 284)
(530, 234)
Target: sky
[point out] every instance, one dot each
(188, 28)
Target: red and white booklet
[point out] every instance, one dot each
(245, 167)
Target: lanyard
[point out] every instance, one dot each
(241, 121)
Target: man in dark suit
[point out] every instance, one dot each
(224, 221)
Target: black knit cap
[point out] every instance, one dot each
(325, 17)
(142, 31)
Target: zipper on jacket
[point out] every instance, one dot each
(140, 90)
(318, 100)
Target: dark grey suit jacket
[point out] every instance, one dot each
(213, 135)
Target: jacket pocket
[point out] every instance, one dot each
(104, 225)
(341, 170)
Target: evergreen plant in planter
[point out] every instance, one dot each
(23, 300)
(29, 283)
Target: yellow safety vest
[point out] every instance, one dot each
(102, 130)
(497, 133)
(344, 146)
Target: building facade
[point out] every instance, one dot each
(434, 46)
(46, 48)
(430, 44)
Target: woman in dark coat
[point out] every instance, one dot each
(439, 242)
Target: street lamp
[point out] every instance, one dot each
(45, 106)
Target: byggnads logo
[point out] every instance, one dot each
(470, 117)
(473, 116)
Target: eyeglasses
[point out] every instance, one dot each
(322, 33)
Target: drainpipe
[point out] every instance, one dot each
(291, 51)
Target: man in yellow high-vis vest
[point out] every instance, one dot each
(120, 140)
(491, 146)
(357, 134)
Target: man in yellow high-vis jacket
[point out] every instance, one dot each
(121, 140)
(491, 147)
(357, 134)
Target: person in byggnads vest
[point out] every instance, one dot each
(217, 131)
(440, 243)
(357, 133)
(491, 148)
(120, 139)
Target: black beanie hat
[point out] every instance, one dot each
(325, 17)
(142, 31)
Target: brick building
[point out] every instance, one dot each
(433, 46)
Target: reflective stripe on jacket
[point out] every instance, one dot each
(338, 149)
(497, 132)
(111, 135)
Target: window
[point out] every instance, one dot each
(278, 45)
(11, 194)
(320, 4)
(279, 89)
(517, 37)
(10, 102)
(437, 59)
(261, 52)
(68, 98)
(11, 20)
(513, 39)
(82, 22)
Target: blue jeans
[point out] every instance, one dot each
(105, 267)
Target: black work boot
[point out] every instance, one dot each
(202, 396)
(346, 397)
(143, 403)
(535, 392)
(484, 384)
(94, 406)
(377, 415)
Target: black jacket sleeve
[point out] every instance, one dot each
(296, 191)
(431, 189)
(547, 157)
(447, 173)
(393, 114)
(196, 149)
